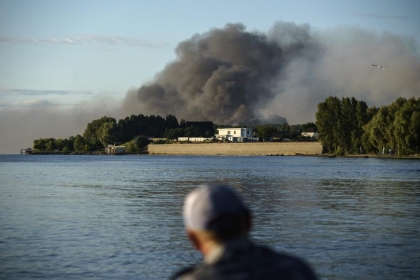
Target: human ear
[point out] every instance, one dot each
(193, 239)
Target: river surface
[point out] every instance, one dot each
(119, 217)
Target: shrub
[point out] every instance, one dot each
(339, 151)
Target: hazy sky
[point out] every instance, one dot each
(65, 63)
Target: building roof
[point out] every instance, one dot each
(309, 129)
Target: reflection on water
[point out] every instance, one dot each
(120, 217)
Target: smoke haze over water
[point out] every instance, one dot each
(233, 76)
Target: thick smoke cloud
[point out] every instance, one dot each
(223, 75)
(233, 76)
(339, 63)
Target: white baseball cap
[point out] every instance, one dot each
(209, 202)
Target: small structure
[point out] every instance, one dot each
(310, 132)
(115, 150)
(238, 134)
(194, 139)
(27, 151)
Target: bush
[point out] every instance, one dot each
(339, 151)
(131, 147)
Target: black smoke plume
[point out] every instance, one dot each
(233, 76)
(223, 76)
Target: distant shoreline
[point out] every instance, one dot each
(415, 157)
(101, 153)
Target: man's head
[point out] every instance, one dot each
(215, 214)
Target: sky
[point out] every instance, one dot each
(66, 63)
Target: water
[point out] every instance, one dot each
(108, 217)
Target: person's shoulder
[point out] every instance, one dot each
(202, 272)
(183, 274)
(260, 262)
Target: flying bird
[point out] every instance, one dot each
(379, 66)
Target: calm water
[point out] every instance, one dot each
(107, 217)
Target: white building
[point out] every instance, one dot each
(237, 134)
(116, 150)
(310, 132)
(193, 139)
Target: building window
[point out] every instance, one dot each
(234, 132)
(228, 132)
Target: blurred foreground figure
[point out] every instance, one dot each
(217, 224)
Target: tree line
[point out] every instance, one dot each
(134, 131)
(344, 125)
(349, 126)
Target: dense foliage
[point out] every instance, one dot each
(51, 144)
(136, 145)
(270, 132)
(265, 132)
(340, 123)
(344, 125)
(396, 127)
(350, 126)
(133, 130)
(100, 133)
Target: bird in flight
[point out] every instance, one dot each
(379, 66)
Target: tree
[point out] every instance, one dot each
(171, 122)
(380, 128)
(94, 132)
(407, 127)
(327, 118)
(174, 133)
(192, 131)
(131, 147)
(284, 127)
(396, 127)
(136, 145)
(308, 125)
(265, 132)
(346, 124)
(40, 144)
(366, 143)
(362, 118)
(154, 126)
(60, 144)
(50, 146)
(141, 142)
(157, 126)
(341, 124)
(107, 133)
(79, 143)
